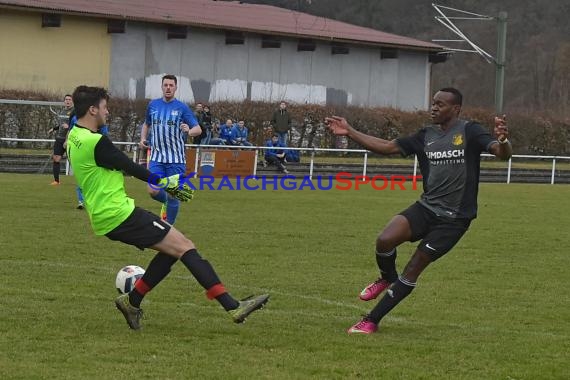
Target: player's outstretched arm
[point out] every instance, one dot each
(503, 149)
(340, 127)
(108, 156)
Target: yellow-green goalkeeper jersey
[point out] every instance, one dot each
(103, 187)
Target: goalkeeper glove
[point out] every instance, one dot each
(172, 186)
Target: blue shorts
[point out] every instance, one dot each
(165, 169)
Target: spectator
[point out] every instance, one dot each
(207, 117)
(275, 156)
(215, 132)
(198, 114)
(205, 120)
(281, 122)
(240, 133)
(226, 133)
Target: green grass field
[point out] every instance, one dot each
(496, 307)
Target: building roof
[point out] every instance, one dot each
(225, 15)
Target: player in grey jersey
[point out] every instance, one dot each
(448, 153)
(60, 130)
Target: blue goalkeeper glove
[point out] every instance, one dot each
(172, 186)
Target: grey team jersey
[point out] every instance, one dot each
(449, 162)
(63, 118)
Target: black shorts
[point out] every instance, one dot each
(438, 233)
(58, 149)
(142, 228)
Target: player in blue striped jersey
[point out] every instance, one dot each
(170, 122)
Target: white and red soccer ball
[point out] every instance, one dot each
(126, 278)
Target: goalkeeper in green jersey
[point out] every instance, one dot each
(98, 168)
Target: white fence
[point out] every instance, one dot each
(313, 152)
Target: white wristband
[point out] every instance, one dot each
(505, 141)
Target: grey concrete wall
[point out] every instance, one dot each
(209, 70)
(411, 74)
(128, 62)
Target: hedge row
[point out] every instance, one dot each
(531, 134)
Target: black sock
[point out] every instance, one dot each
(135, 297)
(56, 169)
(157, 270)
(387, 265)
(227, 301)
(394, 295)
(206, 276)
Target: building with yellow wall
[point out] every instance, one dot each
(226, 51)
(52, 59)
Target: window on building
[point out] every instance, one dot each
(116, 26)
(270, 42)
(50, 20)
(306, 44)
(388, 53)
(339, 48)
(235, 38)
(177, 32)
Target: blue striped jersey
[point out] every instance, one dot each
(164, 119)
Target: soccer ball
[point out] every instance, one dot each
(127, 277)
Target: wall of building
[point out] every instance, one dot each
(209, 70)
(52, 59)
(131, 65)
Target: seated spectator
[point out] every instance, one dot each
(239, 134)
(215, 134)
(292, 156)
(275, 156)
(226, 133)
